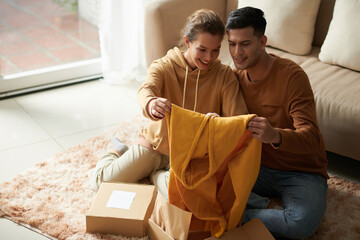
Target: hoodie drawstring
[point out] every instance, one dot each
(196, 89)
(184, 91)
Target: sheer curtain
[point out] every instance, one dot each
(121, 33)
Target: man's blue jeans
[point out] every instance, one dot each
(303, 197)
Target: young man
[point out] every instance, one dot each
(293, 163)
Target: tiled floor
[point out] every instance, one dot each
(40, 33)
(36, 126)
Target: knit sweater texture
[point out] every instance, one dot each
(286, 99)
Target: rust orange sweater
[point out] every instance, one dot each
(214, 165)
(286, 99)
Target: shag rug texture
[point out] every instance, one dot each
(55, 195)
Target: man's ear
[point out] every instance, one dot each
(187, 42)
(263, 41)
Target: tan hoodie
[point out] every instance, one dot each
(214, 90)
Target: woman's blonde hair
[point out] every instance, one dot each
(202, 21)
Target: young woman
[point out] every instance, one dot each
(193, 79)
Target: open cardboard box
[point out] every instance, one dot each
(252, 230)
(122, 209)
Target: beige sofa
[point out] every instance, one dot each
(336, 88)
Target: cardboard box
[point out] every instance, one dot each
(121, 209)
(252, 230)
(157, 233)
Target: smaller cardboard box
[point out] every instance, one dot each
(121, 209)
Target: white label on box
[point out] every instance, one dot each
(121, 199)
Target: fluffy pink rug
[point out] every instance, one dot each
(54, 196)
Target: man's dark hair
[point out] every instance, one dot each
(247, 17)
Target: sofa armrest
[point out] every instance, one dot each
(164, 20)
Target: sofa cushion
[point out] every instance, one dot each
(336, 91)
(291, 23)
(341, 45)
(323, 20)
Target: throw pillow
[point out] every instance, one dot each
(342, 43)
(290, 23)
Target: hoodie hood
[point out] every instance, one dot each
(177, 57)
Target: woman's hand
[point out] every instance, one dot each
(158, 106)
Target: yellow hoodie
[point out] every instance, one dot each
(215, 89)
(214, 163)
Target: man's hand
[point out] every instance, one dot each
(158, 106)
(263, 131)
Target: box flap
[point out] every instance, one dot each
(156, 233)
(255, 229)
(171, 219)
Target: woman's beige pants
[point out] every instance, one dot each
(135, 164)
